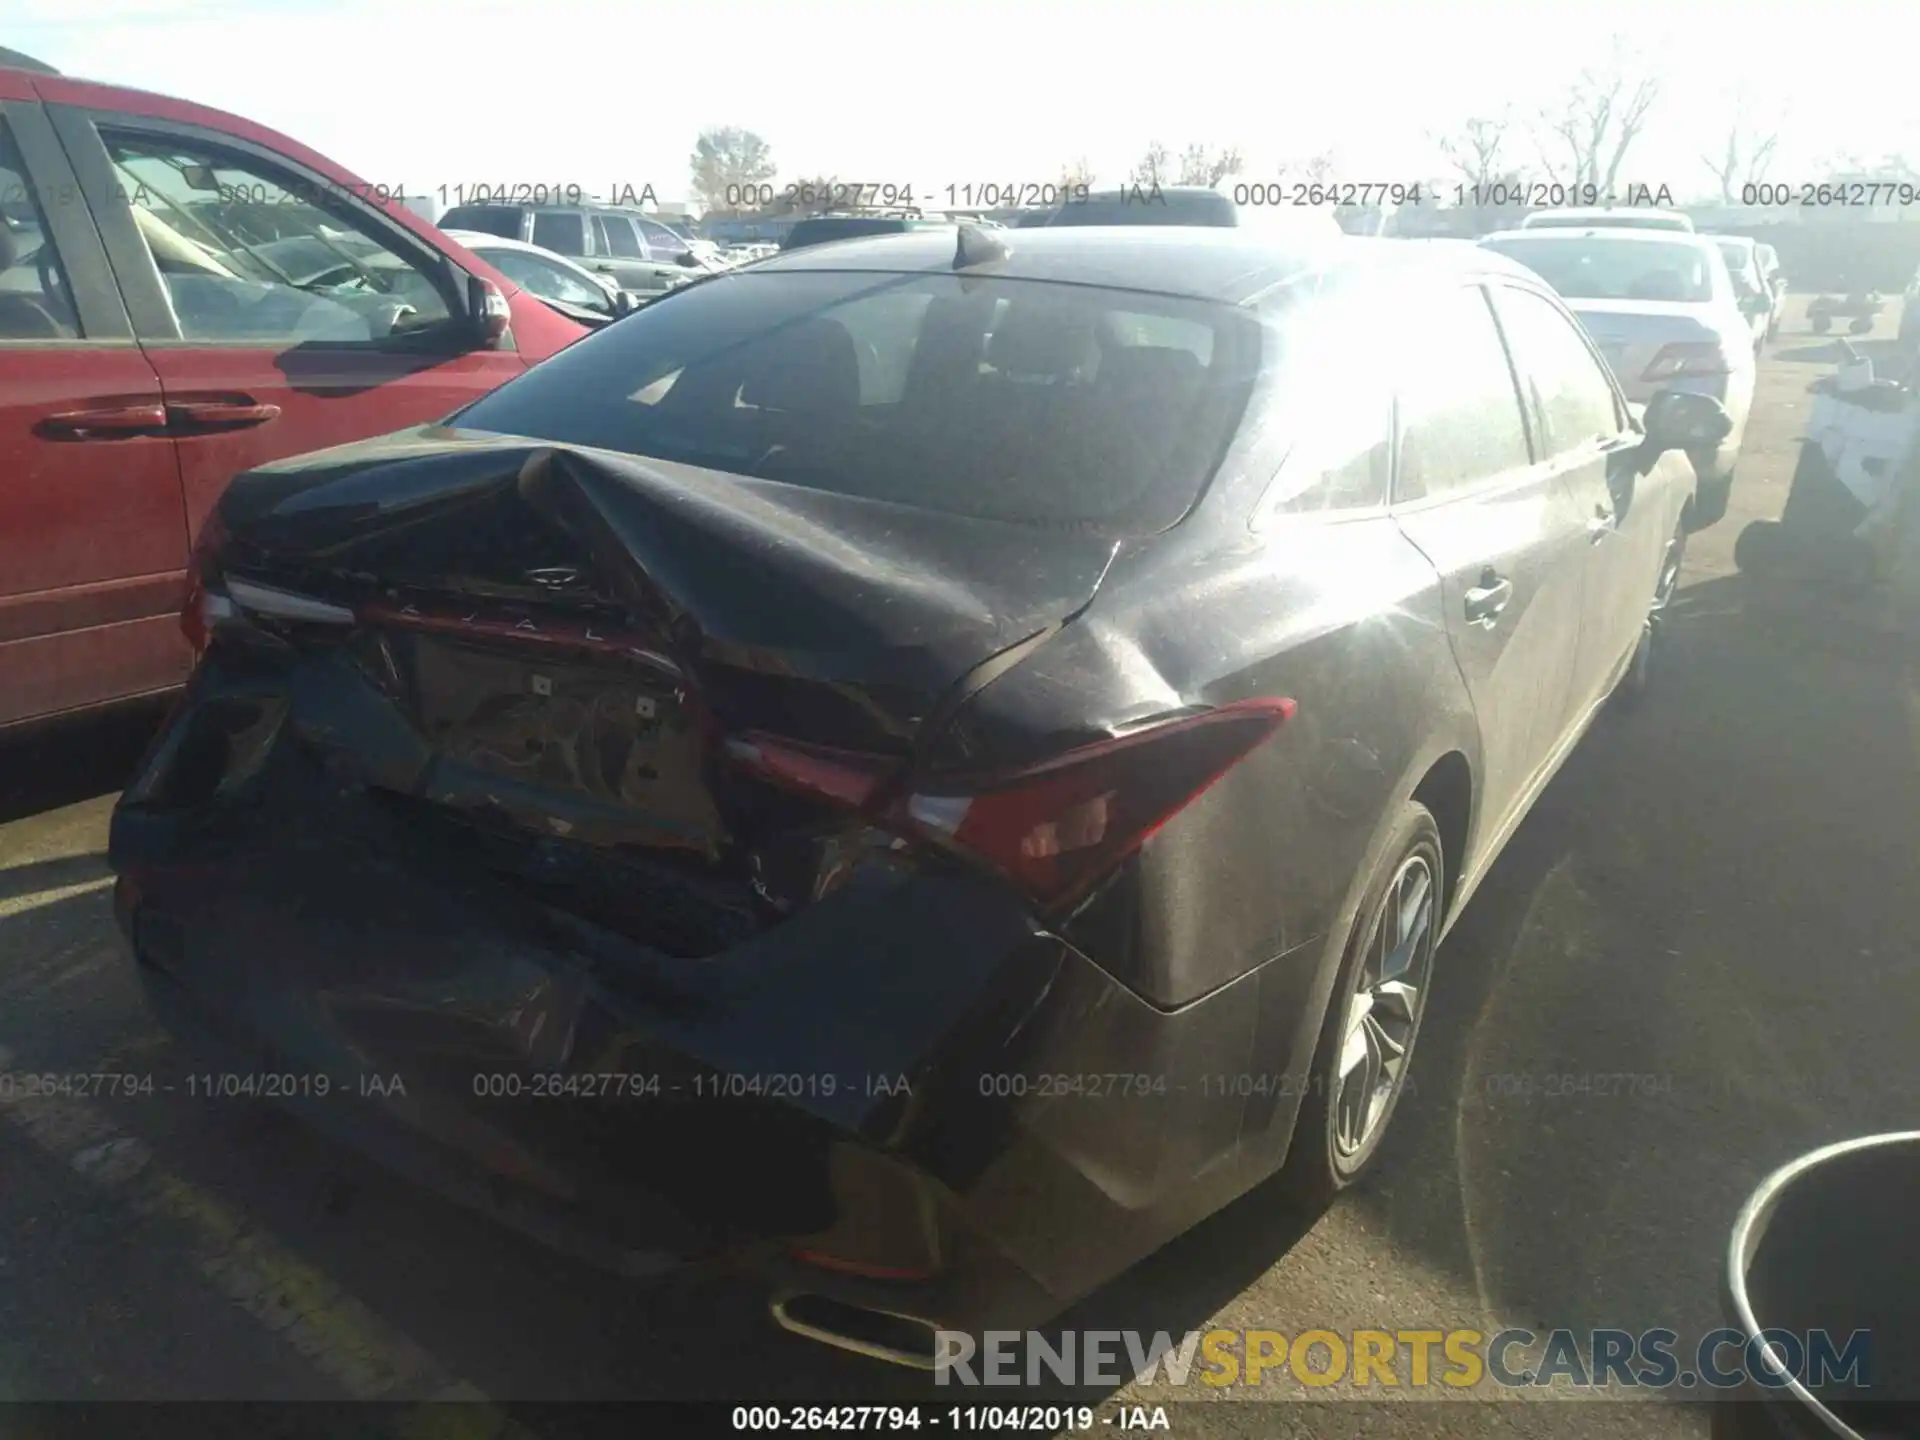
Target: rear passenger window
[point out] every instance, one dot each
(1338, 398)
(1460, 419)
(561, 231)
(36, 303)
(621, 237)
(1571, 396)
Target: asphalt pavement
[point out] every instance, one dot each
(1694, 962)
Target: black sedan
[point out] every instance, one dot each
(923, 768)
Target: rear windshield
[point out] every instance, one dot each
(1147, 207)
(501, 220)
(1611, 222)
(1000, 399)
(1597, 268)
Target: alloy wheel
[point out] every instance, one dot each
(1383, 1011)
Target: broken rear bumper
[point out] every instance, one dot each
(907, 1098)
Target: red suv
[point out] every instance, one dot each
(184, 295)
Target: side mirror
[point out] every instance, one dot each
(1757, 304)
(1678, 420)
(687, 260)
(488, 311)
(622, 303)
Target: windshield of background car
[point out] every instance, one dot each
(815, 232)
(1615, 222)
(1598, 268)
(999, 399)
(1147, 207)
(501, 220)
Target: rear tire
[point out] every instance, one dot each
(1379, 999)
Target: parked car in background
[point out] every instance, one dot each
(1757, 298)
(152, 344)
(578, 294)
(633, 250)
(917, 668)
(1612, 217)
(1775, 275)
(1663, 310)
(1909, 334)
(854, 225)
(1187, 205)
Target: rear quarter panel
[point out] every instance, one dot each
(1258, 880)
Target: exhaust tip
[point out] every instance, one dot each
(879, 1334)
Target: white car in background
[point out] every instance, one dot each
(574, 291)
(1662, 308)
(1617, 217)
(1757, 299)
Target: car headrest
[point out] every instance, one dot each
(809, 367)
(1151, 367)
(1043, 338)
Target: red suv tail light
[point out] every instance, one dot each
(205, 606)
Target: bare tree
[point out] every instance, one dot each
(1076, 176)
(1153, 168)
(1200, 166)
(729, 165)
(1314, 170)
(1475, 153)
(1744, 159)
(1584, 138)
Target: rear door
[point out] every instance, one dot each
(336, 324)
(93, 542)
(1500, 528)
(624, 254)
(1582, 435)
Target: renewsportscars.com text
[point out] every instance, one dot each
(1407, 1359)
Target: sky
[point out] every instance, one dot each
(931, 93)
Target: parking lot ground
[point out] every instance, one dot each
(1695, 962)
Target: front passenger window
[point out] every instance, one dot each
(245, 256)
(1460, 419)
(1570, 394)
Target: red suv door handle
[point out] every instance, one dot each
(219, 414)
(105, 422)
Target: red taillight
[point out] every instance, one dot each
(843, 776)
(1057, 828)
(199, 612)
(1694, 357)
(1054, 829)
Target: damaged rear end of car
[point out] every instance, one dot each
(590, 821)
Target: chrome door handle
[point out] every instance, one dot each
(1600, 526)
(1487, 600)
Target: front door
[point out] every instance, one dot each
(281, 313)
(1502, 531)
(93, 542)
(1580, 422)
